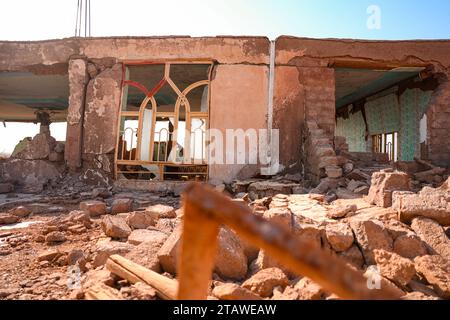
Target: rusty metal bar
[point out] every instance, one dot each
(205, 209)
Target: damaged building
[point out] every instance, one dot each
(125, 98)
(353, 162)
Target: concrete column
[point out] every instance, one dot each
(78, 80)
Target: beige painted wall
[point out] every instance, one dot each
(239, 96)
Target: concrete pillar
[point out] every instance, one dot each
(78, 80)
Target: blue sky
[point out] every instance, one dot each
(400, 19)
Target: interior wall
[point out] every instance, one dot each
(354, 129)
(386, 113)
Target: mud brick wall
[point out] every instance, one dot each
(438, 118)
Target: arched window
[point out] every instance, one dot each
(163, 121)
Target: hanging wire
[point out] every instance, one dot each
(79, 18)
(76, 20)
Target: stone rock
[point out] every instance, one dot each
(6, 188)
(262, 189)
(49, 255)
(115, 227)
(32, 176)
(384, 184)
(342, 212)
(433, 235)
(167, 255)
(77, 257)
(353, 185)
(56, 157)
(363, 190)
(340, 236)
(161, 211)
(410, 246)
(106, 249)
(146, 254)
(231, 291)
(263, 282)
(308, 232)
(231, 261)
(122, 206)
(281, 216)
(39, 148)
(395, 268)
(371, 235)
(376, 281)
(140, 220)
(21, 212)
(138, 291)
(426, 289)
(333, 172)
(429, 203)
(436, 270)
(55, 236)
(418, 296)
(95, 208)
(309, 290)
(139, 236)
(6, 218)
(353, 256)
(358, 175)
(60, 147)
(4, 293)
(348, 167)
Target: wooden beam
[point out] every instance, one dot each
(165, 288)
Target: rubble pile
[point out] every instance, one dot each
(404, 246)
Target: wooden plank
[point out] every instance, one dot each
(165, 288)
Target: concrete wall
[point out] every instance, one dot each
(238, 101)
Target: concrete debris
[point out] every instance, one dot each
(384, 184)
(429, 203)
(407, 243)
(265, 281)
(116, 227)
(95, 208)
(231, 291)
(395, 268)
(433, 235)
(436, 270)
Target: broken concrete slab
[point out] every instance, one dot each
(384, 184)
(121, 206)
(430, 203)
(115, 227)
(340, 236)
(95, 208)
(371, 235)
(436, 271)
(140, 220)
(232, 291)
(394, 267)
(433, 235)
(139, 236)
(263, 282)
